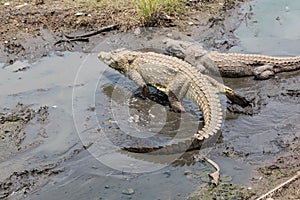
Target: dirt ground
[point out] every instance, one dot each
(33, 29)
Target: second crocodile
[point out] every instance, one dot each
(231, 64)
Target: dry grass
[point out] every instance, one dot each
(143, 12)
(62, 15)
(153, 11)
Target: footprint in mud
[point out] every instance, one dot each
(13, 123)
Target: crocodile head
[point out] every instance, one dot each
(183, 49)
(119, 59)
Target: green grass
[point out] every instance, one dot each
(150, 11)
(147, 10)
(173, 7)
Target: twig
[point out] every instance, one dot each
(102, 30)
(85, 37)
(215, 176)
(280, 186)
(72, 40)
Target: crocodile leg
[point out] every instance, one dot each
(138, 79)
(230, 93)
(263, 72)
(177, 91)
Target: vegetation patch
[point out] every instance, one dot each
(151, 12)
(222, 191)
(30, 16)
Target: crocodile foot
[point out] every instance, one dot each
(145, 91)
(263, 72)
(237, 99)
(176, 106)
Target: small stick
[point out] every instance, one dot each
(215, 176)
(280, 186)
(85, 37)
(72, 40)
(101, 30)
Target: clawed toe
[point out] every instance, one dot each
(177, 107)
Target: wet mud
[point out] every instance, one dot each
(17, 139)
(13, 123)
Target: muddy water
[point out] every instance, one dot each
(80, 109)
(269, 28)
(97, 107)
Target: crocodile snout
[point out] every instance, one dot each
(105, 57)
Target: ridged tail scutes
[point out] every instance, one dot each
(180, 147)
(175, 148)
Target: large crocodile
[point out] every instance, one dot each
(177, 79)
(230, 64)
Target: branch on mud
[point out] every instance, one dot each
(102, 30)
(271, 192)
(85, 37)
(215, 176)
(71, 40)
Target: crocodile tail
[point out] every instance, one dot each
(142, 149)
(177, 154)
(180, 147)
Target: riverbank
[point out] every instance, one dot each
(37, 149)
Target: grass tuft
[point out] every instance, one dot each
(150, 11)
(147, 10)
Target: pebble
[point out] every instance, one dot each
(167, 173)
(187, 172)
(128, 191)
(134, 118)
(137, 31)
(287, 9)
(79, 14)
(21, 6)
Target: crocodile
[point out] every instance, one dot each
(230, 64)
(178, 79)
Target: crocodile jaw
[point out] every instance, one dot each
(110, 59)
(105, 57)
(119, 59)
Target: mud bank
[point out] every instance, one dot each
(31, 30)
(52, 105)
